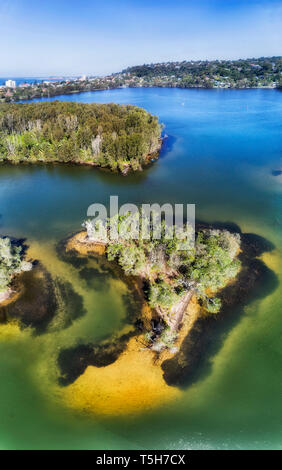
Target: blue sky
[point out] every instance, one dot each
(99, 37)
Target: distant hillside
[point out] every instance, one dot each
(243, 73)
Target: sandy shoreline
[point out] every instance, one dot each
(150, 158)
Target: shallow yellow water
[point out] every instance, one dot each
(132, 384)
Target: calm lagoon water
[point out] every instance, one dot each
(220, 153)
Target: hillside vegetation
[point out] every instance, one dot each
(11, 263)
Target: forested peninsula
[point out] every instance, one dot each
(117, 137)
(171, 269)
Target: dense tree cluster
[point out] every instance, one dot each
(108, 135)
(11, 262)
(172, 265)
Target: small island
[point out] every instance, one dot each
(118, 137)
(170, 272)
(182, 297)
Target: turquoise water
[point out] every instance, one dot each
(221, 149)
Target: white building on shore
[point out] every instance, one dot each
(10, 84)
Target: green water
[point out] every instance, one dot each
(221, 149)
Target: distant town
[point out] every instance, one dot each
(265, 72)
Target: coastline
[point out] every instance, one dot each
(43, 97)
(120, 376)
(8, 297)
